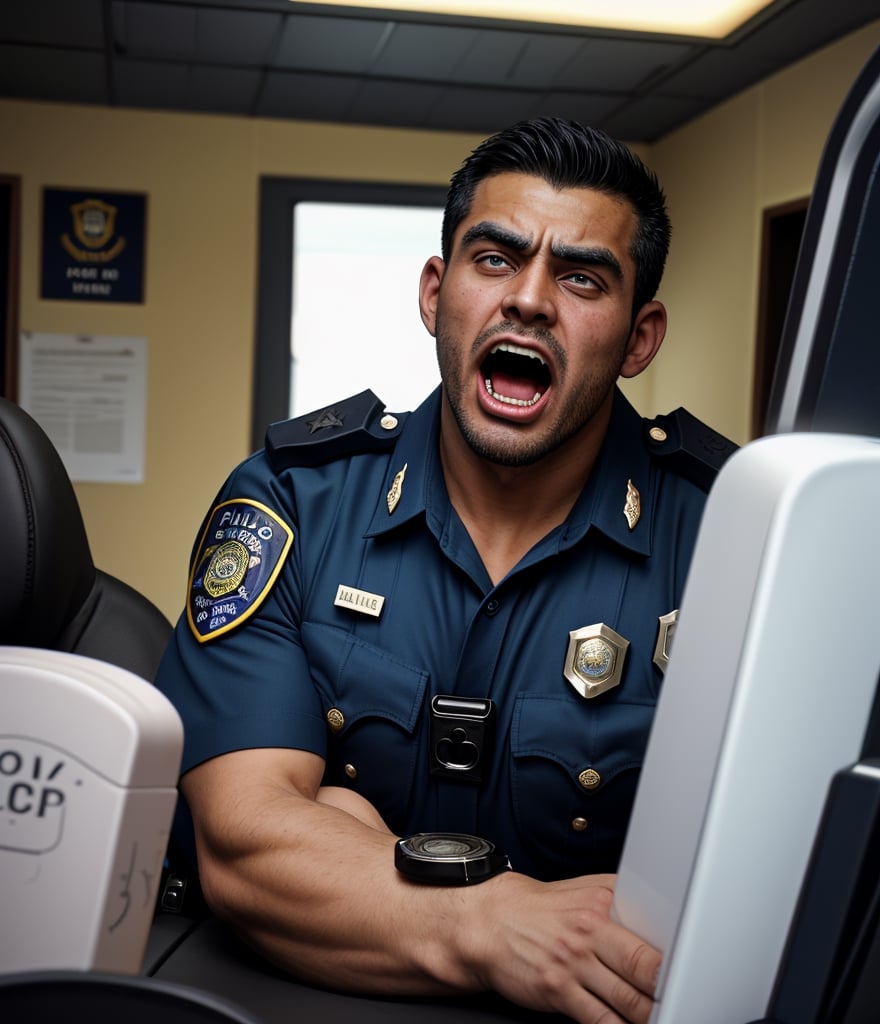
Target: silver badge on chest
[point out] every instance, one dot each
(594, 659)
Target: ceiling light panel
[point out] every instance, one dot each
(708, 19)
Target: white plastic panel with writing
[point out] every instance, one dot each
(89, 759)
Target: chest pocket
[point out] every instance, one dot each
(575, 771)
(372, 703)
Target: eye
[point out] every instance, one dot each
(583, 281)
(492, 261)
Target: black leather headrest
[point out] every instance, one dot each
(51, 594)
(48, 570)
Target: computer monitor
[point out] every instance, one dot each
(771, 684)
(768, 690)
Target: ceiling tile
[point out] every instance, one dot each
(269, 58)
(144, 29)
(651, 117)
(329, 44)
(714, 74)
(224, 90)
(394, 103)
(490, 57)
(541, 58)
(586, 107)
(306, 96)
(617, 65)
(238, 37)
(65, 76)
(423, 51)
(145, 83)
(481, 110)
(53, 22)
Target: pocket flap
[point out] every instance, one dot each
(363, 680)
(610, 737)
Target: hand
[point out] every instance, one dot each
(553, 946)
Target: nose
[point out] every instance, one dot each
(530, 297)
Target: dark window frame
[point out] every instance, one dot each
(278, 196)
(10, 279)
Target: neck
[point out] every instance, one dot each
(508, 509)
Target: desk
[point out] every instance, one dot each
(206, 955)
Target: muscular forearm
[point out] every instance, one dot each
(307, 876)
(313, 887)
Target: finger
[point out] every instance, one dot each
(608, 1000)
(631, 1003)
(630, 959)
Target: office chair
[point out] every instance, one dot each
(52, 595)
(45, 997)
(54, 601)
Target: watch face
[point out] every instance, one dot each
(448, 858)
(447, 846)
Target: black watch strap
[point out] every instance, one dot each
(448, 858)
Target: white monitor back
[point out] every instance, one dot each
(89, 758)
(767, 694)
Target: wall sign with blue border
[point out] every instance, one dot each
(94, 245)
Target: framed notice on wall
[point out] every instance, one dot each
(94, 245)
(88, 392)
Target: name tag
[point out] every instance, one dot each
(359, 600)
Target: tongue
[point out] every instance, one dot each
(513, 387)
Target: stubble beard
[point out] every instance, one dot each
(510, 445)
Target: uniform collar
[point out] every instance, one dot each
(622, 458)
(416, 456)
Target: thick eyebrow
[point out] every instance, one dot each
(489, 231)
(591, 255)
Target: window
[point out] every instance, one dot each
(355, 319)
(278, 199)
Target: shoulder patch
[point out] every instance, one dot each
(352, 426)
(238, 558)
(688, 446)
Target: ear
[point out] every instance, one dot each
(429, 292)
(645, 340)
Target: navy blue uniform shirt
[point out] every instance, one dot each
(282, 644)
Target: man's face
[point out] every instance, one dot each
(532, 314)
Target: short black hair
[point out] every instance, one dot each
(570, 155)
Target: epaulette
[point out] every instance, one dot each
(352, 426)
(688, 446)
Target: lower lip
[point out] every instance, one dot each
(512, 413)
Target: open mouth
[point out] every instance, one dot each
(514, 375)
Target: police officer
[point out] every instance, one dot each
(421, 651)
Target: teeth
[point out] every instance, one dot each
(517, 350)
(528, 402)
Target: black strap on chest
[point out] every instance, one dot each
(689, 447)
(352, 426)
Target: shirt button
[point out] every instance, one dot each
(351, 771)
(335, 719)
(492, 606)
(589, 778)
(579, 824)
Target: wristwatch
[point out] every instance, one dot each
(448, 858)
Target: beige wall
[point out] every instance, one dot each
(202, 173)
